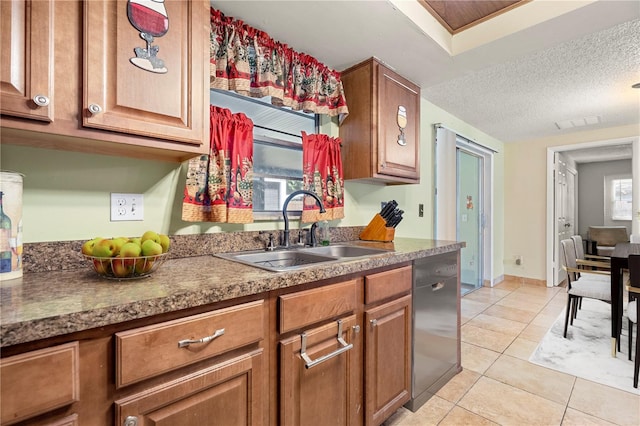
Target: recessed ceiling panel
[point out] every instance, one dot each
(458, 15)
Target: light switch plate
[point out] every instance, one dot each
(125, 207)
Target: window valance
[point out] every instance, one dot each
(247, 61)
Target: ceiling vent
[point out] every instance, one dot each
(578, 122)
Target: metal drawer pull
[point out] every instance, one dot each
(185, 343)
(437, 286)
(312, 363)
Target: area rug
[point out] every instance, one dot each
(586, 352)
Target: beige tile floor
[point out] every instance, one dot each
(501, 327)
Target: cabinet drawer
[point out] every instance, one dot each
(310, 306)
(387, 284)
(40, 381)
(148, 351)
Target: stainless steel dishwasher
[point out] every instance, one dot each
(435, 326)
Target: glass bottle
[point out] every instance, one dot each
(5, 238)
(325, 236)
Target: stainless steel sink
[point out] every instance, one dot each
(297, 257)
(279, 260)
(344, 250)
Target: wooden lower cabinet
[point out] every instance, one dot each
(38, 382)
(332, 353)
(229, 393)
(319, 383)
(387, 359)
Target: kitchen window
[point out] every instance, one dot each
(277, 151)
(618, 197)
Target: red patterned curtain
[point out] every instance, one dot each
(322, 175)
(220, 185)
(249, 62)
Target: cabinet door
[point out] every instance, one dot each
(229, 393)
(326, 393)
(398, 156)
(155, 86)
(26, 66)
(387, 359)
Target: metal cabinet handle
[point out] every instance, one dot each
(437, 286)
(312, 363)
(41, 100)
(374, 322)
(185, 343)
(130, 421)
(95, 109)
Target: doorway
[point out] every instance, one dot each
(464, 203)
(469, 217)
(606, 152)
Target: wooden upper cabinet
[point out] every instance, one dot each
(26, 65)
(156, 87)
(374, 146)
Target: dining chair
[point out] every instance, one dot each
(589, 260)
(592, 284)
(633, 307)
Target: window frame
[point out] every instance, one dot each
(609, 192)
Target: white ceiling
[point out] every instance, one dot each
(513, 87)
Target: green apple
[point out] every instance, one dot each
(130, 250)
(143, 265)
(104, 248)
(165, 242)
(119, 242)
(122, 267)
(136, 240)
(151, 248)
(150, 235)
(87, 247)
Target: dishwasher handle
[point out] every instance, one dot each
(437, 286)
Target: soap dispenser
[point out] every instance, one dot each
(325, 237)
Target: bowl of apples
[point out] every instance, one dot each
(125, 258)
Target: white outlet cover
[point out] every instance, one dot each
(127, 207)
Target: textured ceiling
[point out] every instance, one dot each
(518, 99)
(514, 88)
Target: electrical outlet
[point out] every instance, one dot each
(518, 260)
(127, 207)
(420, 210)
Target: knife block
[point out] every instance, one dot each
(377, 230)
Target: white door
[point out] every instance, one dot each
(565, 209)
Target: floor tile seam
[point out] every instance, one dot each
(536, 365)
(468, 389)
(517, 388)
(526, 391)
(472, 412)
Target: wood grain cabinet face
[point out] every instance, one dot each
(228, 393)
(374, 146)
(387, 359)
(211, 334)
(37, 382)
(327, 393)
(120, 96)
(26, 66)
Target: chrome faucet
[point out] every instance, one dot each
(285, 236)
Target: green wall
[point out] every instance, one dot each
(66, 195)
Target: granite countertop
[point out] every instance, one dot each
(52, 303)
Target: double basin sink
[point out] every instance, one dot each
(300, 257)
